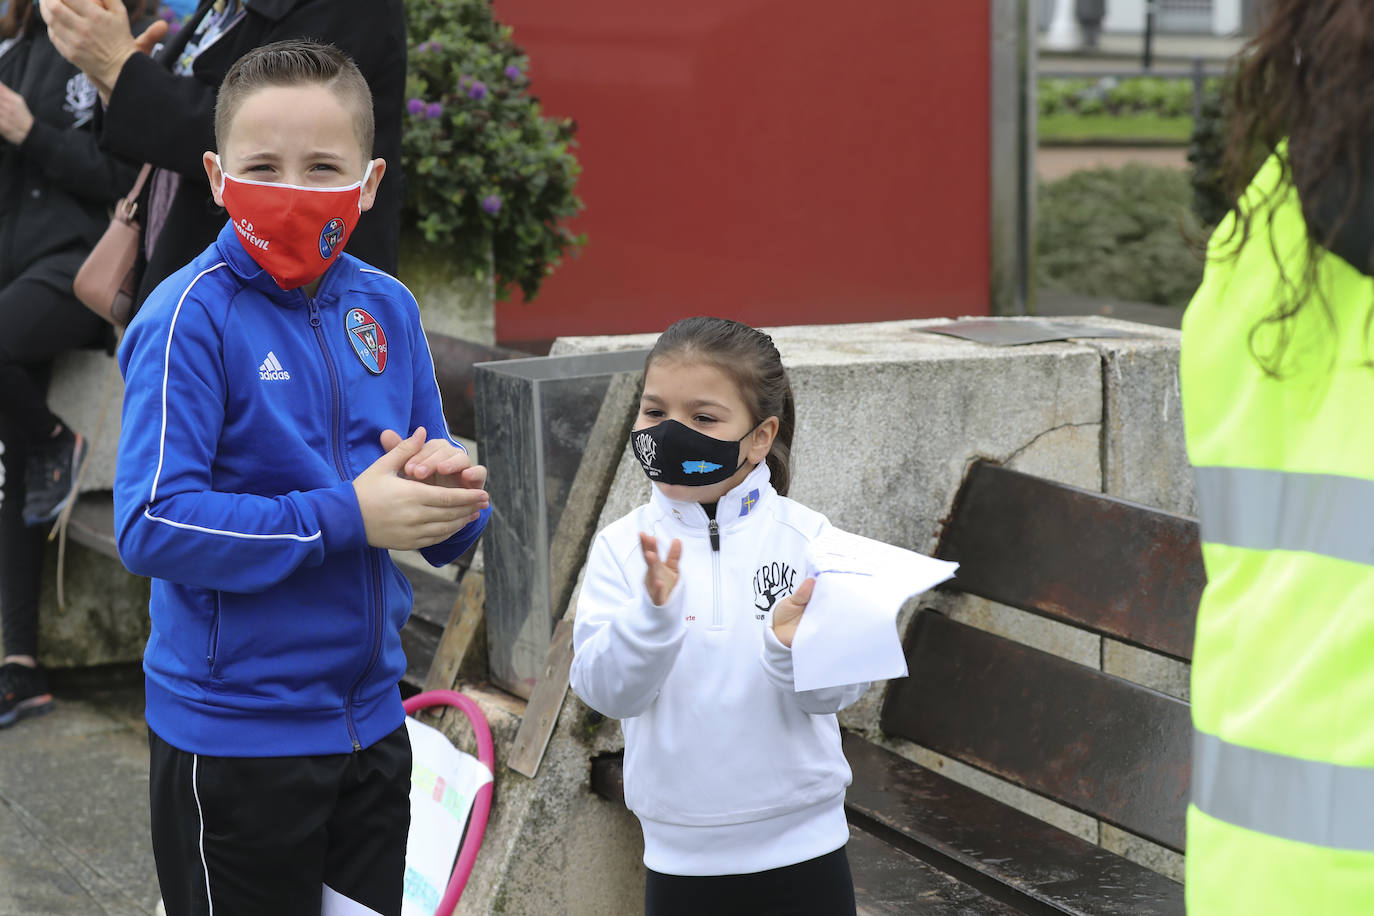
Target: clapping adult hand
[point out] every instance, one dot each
(15, 118)
(95, 36)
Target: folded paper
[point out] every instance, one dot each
(848, 634)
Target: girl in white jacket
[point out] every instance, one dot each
(737, 779)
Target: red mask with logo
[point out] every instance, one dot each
(293, 233)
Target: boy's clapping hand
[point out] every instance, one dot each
(400, 513)
(439, 462)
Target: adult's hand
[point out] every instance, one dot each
(15, 118)
(95, 36)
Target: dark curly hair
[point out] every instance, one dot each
(1304, 77)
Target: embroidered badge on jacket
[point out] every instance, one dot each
(368, 340)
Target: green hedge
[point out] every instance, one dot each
(1119, 233)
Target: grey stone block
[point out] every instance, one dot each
(1143, 852)
(552, 847)
(1145, 458)
(1167, 675)
(85, 385)
(106, 615)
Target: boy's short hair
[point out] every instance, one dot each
(296, 62)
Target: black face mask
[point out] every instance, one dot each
(676, 454)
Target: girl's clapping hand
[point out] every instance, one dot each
(787, 613)
(662, 574)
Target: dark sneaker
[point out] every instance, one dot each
(23, 692)
(51, 476)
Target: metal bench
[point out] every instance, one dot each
(1099, 744)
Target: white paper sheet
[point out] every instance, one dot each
(443, 783)
(848, 634)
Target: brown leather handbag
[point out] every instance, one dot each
(108, 280)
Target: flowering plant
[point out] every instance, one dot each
(489, 179)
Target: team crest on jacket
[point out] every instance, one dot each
(368, 339)
(330, 237)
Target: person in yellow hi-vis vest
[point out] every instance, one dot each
(1277, 372)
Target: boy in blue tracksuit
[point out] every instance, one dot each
(260, 482)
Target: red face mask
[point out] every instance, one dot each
(293, 233)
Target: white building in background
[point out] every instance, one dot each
(1192, 17)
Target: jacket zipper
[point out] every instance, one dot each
(335, 400)
(717, 618)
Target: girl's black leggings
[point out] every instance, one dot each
(816, 887)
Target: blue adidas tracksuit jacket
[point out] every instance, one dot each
(248, 411)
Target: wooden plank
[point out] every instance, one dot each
(541, 715)
(459, 633)
(1004, 853)
(1097, 743)
(1112, 566)
(887, 880)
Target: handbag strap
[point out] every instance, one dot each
(142, 178)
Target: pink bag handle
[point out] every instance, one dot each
(481, 804)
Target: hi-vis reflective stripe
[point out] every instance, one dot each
(1323, 514)
(1322, 804)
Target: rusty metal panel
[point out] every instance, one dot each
(1112, 566)
(1006, 854)
(1097, 743)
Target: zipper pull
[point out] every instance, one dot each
(314, 312)
(714, 529)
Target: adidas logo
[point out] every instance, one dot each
(271, 369)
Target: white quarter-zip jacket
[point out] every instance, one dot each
(729, 769)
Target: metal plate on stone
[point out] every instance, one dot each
(1001, 332)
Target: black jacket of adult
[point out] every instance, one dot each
(156, 116)
(57, 186)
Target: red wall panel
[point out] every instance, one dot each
(777, 162)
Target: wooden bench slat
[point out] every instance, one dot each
(887, 880)
(1115, 567)
(996, 848)
(1103, 745)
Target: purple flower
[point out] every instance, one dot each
(478, 91)
(173, 28)
(416, 106)
(513, 72)
(434, 109)
(491, 204)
